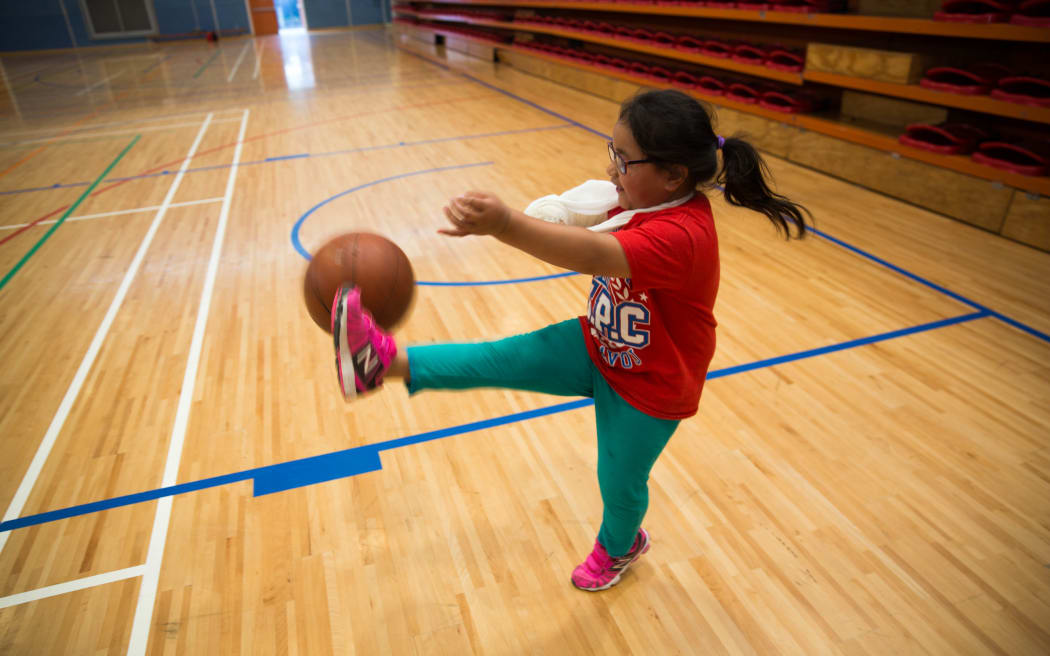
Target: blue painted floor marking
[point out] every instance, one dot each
(318, 469)
(365, 459)
(302, 219)
(482, 283)
(771, 362)
(510, 95)
(281, 158)
(932, 285)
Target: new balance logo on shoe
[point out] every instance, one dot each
(366, 361)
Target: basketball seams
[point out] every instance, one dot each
(315, 288)
(354, 250)
(368, 261)
(392, 285)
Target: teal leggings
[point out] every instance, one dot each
(554, 360)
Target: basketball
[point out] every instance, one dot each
(372, 263)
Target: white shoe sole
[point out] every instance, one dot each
(344, 365)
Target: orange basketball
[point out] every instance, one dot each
(372, 263)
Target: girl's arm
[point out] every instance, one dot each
(569, 247)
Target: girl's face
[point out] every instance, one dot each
(643, 185)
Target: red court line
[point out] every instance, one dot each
(47, 144)
(265, 135)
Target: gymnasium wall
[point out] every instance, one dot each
(340, 13)
(40, 24)
(32, 25)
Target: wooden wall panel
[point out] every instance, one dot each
(890, 111)
(884, 65)
(968, 199)
(472, 48)
(769, 136)
(911, 8)
(1028, 220)
(596, 83)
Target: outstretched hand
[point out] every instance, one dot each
(476, 213)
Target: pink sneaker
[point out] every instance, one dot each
(601, 571)
(363, 350)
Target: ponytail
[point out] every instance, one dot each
(743, 180)
(673, 128)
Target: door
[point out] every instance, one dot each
(264, 17)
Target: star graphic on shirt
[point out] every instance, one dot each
(643, 297)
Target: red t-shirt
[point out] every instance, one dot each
(653, 335)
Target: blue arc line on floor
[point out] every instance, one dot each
(364, 459)
(483, 283)
(302, 219)
(297, 244)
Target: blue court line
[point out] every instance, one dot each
(423, 142)
(364, 459)
(509, 94)
(299, 224)
(268, 160)
(932, 285)
(482, 283)
(771, 362)
(281, 157)
(69, 87)
(57, 185)
(65, 215)
(40, 71)
(155, 64)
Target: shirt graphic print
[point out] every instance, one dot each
(619, 323)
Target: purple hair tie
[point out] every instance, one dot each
(721, 142)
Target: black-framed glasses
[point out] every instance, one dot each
(622, 164)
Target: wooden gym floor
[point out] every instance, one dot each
(869, 472)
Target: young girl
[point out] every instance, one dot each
(643, 350)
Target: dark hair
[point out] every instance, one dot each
(675, 129)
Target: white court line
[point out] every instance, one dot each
(18, 502)
(116, 213)
(99, 83)
(258, 60)
(71, 586)
(237, 64)
(155, 556)
(93, 135)
(93, 126)
(10, 92)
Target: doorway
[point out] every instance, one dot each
(290, 15)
